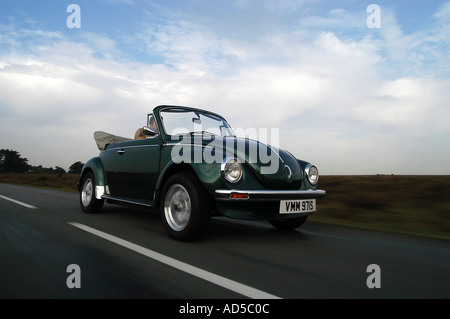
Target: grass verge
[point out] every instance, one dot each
(415, 205)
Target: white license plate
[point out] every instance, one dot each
(297, 206)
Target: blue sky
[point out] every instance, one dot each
(349, 98)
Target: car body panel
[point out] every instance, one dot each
(132, 167)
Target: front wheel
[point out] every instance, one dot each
(291, 223)
(185, 207)
(88, 202)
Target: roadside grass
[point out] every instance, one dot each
(416, 205)
(66, 182)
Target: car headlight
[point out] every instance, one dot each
(231, 170)
(312, 173)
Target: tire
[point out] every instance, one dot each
(291, 223)
(88, 202)
(185, 207)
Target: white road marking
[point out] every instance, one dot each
(17, 202)
(195, 271)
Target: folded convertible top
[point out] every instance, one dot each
(102, 139)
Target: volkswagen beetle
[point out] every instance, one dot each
(188, 164)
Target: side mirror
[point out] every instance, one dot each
(148, 131)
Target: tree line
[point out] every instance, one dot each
(12, 162)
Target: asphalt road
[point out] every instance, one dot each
(125, 253)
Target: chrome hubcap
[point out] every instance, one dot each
(87, 192)
(177, 207)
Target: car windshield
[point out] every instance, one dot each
(181, 121)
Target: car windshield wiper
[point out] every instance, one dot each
(202, 132)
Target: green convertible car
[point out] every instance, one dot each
(188, 164)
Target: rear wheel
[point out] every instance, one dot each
(88, 202)
(185, 207)
(291, 223)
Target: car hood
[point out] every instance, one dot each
(274, 168)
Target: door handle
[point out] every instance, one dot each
(121, 152)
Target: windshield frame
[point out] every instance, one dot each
(200, 114)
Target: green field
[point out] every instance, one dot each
(416, 205)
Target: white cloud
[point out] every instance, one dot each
(414, 105)
(334, 19)
(443, 14)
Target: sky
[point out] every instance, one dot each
(354, 87)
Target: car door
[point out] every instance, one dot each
(132, 168)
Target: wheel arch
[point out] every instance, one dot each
(95, 166)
